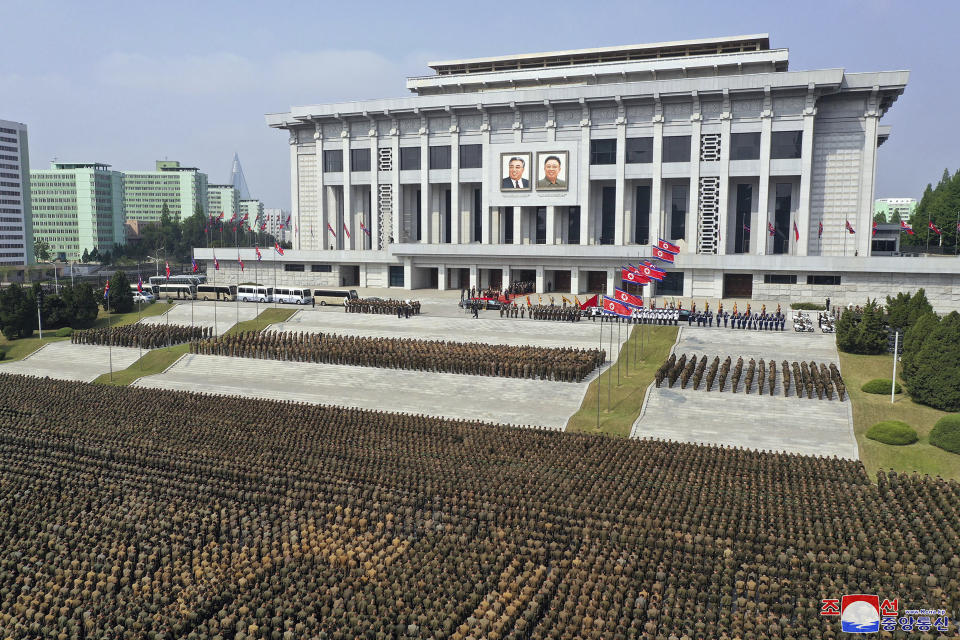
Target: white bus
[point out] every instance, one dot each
(216, 292)
(156, 281)
(180, 291)
(292, 295)
(254, 293)
(333, 296)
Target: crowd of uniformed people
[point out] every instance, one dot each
(399, 308)
(558, 313)
(147, 336)
(132, 513)
(564, 364)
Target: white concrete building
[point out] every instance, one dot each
(273, 218)
(223, 198)
(705, 143)
(182, 189)
(16, 226)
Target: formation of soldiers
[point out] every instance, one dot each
(807, 379)
(247, 518)
(655, 316)
(558, 313)
(146, 336)
(564, 364)
(399, 308)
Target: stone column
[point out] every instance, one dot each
(725, 142)
(584, 176)
(541, 288)
(551, 225)
(442, 277)
(758, 230)
(395, 176)
(491, 174)
(474, 276)
(518, 231)
(692, 226)
(620, 188)
(345, 242)
(374, 227)
(455, 212)
(611, 281)
(294, 175)
(575, 280)
(425, 235)
(316, 235)
(801, 247)
(656, 184)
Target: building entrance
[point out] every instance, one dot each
(557, 280)
(597, 281)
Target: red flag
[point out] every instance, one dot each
(140, 283)
(655, 274)
(363, 227)
(906, 227)
(849, 227)
(933, 227)
(796, 231)
(874, 228)
(168, 269)
(263, 227)
(627, 298)
(616, 308)
(665, 256)
(216, 263)
(257, 249)
(592, 302)
(631, 276)
(240, 260)
(345, 230)
(195, 267)
(653, 266)
(278, 248)
(667, 246)
(771, 229)
(820, 230)
(106, 290)
(331, 230)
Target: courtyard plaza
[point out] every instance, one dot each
(755, 421)
(66, 361)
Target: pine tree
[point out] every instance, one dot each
(871, 334)
(121, 296)
(847, 332)
(936, 380)
(913, 340)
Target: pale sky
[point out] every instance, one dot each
(127, 83)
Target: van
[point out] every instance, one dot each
(292, 295)
(333, 296)
(254, 293)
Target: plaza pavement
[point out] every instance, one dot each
(502, 400)
(764, 422)
(202, 314)
(66, 361)
(489, 329)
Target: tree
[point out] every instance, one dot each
(81, 305)
(95, 255)
(41, 250)
(880, 218)
(898, 310)
(18, 312)
(936, 380)
(913, 340)
(85, 257)
(919, 306)
(121, 296)
(939, 205)
(871, 333)
(847, 332)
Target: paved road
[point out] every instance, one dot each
(773, 423)
(502, 400)
(66, 361)
(490, 329)
(203, 313)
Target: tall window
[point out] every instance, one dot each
(541, 225)
(419, 222)
(678, 211)
(641, 227)
(603, 151)
(359, 159)
(745, 146)
(608, 215)
(639, 150)
(333, 161)
(781, 218)
(477, 216)
(506, 218)
(447, 215)
(471, 156)
(741, 232)
(786, 144)
(573, 225)
(409, 158)
(440, 157)
(676, 149)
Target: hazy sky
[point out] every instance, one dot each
(127, 83)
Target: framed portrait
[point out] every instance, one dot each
(552, 170)
(515, 172)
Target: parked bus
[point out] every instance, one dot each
(216, 292)
(180, 291)
(156, 281)
(333, 296)
(254, 293)
(292, 295)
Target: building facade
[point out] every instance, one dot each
(222, 198)
(895, 209)
(273, 219)
(78, 207)
(16, 236)
(253, 210)
(182, 189)
(558, 167)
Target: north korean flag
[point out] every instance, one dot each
(277, 248)
(194, 261)
(660, 254)
(613, 307)
(106, 291)
(874, 228)
(906, 227)
(140, 284)
(627, 298)
(652, 273)
(259, 256)
(667, 246)
(933, 227)
(167, 268)
(628, 275)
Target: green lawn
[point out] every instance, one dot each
(262, 321)
(20, 349)
(868, 409)
(625, 398)
(155, 361)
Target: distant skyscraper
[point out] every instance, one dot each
(237, 180)
(17, 238)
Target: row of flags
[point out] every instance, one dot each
(346, 231)
(623, 303)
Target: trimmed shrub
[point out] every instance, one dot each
(64, 332)
(879, 386)
(807, 306)
(946, 433)
(893, 432)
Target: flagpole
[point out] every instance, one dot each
(618, 348)
(600, 348)
(927, 249)
(139, 302)
(110, 333)
(215, 264)
(238, 282)
(956, 233)
(610, 370)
